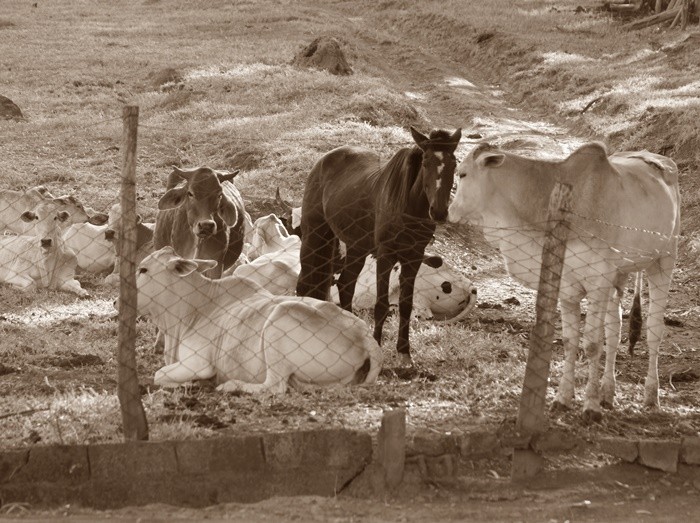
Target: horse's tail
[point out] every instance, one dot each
(636, 314)
(318, 243)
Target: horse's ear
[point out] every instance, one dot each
(455, 138)
(491, 159)
(418, 137)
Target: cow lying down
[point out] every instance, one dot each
(41, 259)
(244, 336)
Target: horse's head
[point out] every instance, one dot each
(438, 168)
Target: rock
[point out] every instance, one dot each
(168, 75)
(662, 455)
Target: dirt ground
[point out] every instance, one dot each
(585, 487)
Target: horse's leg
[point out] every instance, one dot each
(407, 280)
(571, 334)
(354, 262)
(381, 307)
(593, 346)
(613, 325)
(316, 258)
(659, 280)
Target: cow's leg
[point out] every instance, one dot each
(407, 280)
(571, 334)
(73, 286)
(273, 384)
(24, 283)
(381, 307)
(613, 324)
(354, 262)
(195, 367)
(659, 279)
(593, 346)
(274, 339)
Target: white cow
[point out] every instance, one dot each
(14, 203)
(625, 217)
(144, 241)
(440, 292)
(249, 339)
(40, 261)
(94, 252)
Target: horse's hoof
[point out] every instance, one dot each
(592, 416)
(405, 360)
(558, 406)
(608, 405)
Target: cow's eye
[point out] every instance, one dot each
(190, 194)
(143, 270)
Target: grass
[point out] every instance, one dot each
(236, 102)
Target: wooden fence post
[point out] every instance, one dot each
(133, 416)
(531, 417)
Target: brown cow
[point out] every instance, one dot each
(203, 218)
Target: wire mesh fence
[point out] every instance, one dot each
(271, 303)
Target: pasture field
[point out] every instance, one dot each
(215, 87)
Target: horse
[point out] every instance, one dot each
(387, 209)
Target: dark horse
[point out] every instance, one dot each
(388, 209)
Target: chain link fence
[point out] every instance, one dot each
(252, 333)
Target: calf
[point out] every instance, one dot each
(247, 338)
(40, 261)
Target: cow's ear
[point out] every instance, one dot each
(491, 159)
(99, 218)
(433, 261)
(172, 198)
(181, 266)
(28, 216)
(228, 211)
(205, 265)
(227, 176)
(454, 139)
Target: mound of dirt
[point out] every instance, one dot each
(9, 110)
(323, 53)
(163, 77)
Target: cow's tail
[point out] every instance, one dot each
(636, 314)
(372, 366)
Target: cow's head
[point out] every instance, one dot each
(158, 275)
(50, 224)
(268, 233)
(477, 180)
(204, 199)
(438, 168)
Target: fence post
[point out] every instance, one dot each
(133, 416)
(532, 400)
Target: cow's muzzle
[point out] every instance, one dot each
(46, 243)
(205, 228)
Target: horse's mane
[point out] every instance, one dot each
(393, 182)
(395, 179)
